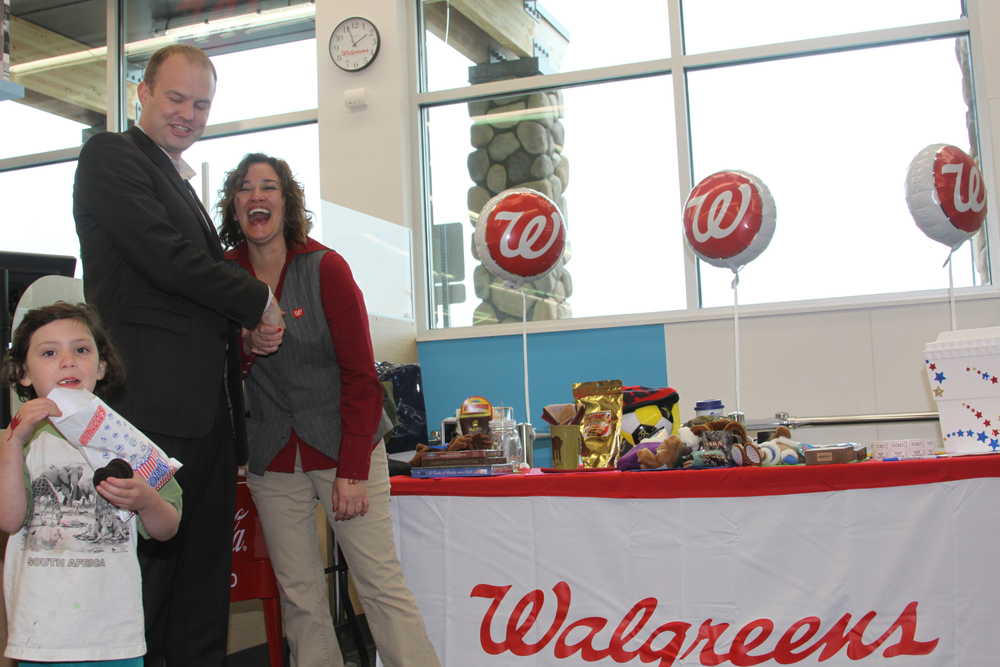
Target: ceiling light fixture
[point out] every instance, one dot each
(263, 18)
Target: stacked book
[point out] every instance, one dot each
(463, 463)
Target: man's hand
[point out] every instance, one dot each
(350, 498)
(273, 315)
(267, 337)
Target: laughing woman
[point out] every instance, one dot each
(315, 425)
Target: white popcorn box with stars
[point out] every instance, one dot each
(963, 369)
(102, 434)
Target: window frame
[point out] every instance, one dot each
(679, 64)
(116, 122)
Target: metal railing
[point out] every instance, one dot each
(784, 419)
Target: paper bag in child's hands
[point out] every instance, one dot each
(103, 435)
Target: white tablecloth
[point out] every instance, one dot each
(860, 564)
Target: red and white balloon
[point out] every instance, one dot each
(729, 218)
(520, 235)
(946, 194)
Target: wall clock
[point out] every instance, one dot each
(354, 44)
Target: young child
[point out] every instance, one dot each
(71, 574)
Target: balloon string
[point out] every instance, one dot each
(951, 292)
(524, 355)
(736, 335)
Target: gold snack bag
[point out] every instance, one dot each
(601, 402)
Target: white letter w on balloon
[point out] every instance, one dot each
(974, 203)
(531, 233)
(716, 213)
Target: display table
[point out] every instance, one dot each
(876, 563)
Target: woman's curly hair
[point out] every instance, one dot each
(298, 220)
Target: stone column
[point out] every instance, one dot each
(518, 142)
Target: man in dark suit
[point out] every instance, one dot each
(153, 267)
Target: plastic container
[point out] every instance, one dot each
(712, 407)
(503, 430)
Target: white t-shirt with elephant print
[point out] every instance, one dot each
(71, 575)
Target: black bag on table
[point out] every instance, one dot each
(404, 404)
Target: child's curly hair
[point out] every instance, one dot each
(13, 367)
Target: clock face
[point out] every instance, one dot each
(354, 44)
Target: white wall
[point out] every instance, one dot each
(853, 361)
(366, 155)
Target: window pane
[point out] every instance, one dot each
(58, 55)
(265, 58)
(832, 137)
(609, 162)
(38, 209)
(716, 25)
(266, 81)
(40, 199)
(298, 146)
(565, 35)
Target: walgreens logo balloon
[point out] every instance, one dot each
(946, 194)
(729, 218)
(520, 235)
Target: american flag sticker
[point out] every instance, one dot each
(155, 470)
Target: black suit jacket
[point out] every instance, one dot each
(155, 273)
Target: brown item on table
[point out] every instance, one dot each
(566, 445)
(722, 442)
(738, 429)
(667, 454)
(477, 440)
(831, 454)
(418, 458)
(497, 459)
(600, 426)
(561, 414)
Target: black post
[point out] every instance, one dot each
(5, 333)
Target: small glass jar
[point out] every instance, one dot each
(503, 430)
(712, 407)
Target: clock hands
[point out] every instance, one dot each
(354, 56)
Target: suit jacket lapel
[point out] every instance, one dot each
(163, 163)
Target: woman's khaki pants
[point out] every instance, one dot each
(286, 504)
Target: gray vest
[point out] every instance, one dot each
(299, 385)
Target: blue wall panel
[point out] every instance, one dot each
(492, 367)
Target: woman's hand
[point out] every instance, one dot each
(350, 498)
(264, 340)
